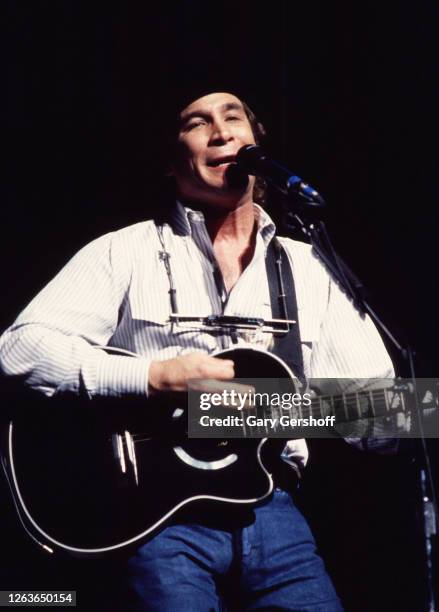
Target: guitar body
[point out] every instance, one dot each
(73, 494)
(90, 489)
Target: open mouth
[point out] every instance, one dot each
(221, 161)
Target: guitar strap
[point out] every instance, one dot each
(284, 306)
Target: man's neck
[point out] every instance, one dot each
(233, 234)
(233, 238)
(236, 225)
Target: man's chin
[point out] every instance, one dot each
(223, 193)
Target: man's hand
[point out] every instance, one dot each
(172, 375)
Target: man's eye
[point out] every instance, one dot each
(233, 118)
(195, 124)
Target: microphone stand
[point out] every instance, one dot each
(315, 232)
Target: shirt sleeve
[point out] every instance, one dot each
(53, 343)
(349, 345)
(351, 350)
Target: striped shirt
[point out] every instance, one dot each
(115, 291)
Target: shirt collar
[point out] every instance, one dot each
(182, 218)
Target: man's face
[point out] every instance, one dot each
(212, 130)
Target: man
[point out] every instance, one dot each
(208, 258)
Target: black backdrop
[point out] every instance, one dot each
(348, 92)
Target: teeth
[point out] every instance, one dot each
(221, 163)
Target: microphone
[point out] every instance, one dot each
(253, 160)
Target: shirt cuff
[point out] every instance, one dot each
(115, 375)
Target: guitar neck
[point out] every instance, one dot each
(356, 405)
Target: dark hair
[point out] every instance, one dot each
(259, 134)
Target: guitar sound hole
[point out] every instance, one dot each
(207, 450)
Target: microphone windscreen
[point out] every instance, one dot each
(250, 157)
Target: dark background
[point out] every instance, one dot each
(348, 92)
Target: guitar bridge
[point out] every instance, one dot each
(125, 453)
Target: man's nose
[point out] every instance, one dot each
(220, 133)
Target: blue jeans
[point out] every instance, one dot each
(271, 564)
